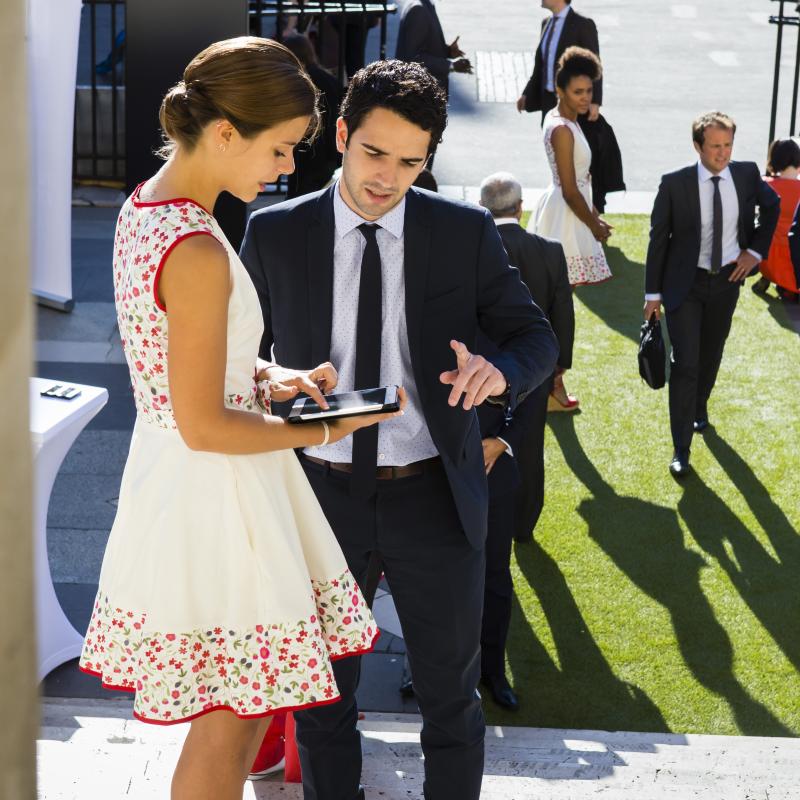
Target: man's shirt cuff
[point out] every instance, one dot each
(651, 297)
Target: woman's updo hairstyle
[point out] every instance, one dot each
(253, 83)
(577, 62)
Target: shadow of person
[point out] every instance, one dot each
(618, 302)
(766, 582)
(580, 690)
(645, 541)
(779, 311)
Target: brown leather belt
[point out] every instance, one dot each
(381, 473)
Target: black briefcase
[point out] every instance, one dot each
(652, 353)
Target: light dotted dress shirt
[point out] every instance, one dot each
(556, 20)
(405, 439)
(730, 220)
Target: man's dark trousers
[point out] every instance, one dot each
(698, 328)
(436, 579)
(528, 502)
(499, 587)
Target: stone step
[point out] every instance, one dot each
(92, 750)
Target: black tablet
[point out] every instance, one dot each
(347, 404)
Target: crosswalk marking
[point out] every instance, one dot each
(501, 76)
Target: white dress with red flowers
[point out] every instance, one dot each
(222, 584)
(586, 260)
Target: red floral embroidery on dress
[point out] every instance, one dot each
(588, 269)
(177, 676)
(144, 237)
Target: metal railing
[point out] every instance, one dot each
(782, 20)
(99, 132)
(319, 19)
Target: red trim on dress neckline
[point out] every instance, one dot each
(157, 276)
(271, 712)
(172, 201)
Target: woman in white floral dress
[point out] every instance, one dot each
(565, 211)
(222, 587)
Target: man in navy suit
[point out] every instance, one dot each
(420, 38)
(391, 285)
(705, 239)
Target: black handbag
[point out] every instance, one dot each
(652, 353)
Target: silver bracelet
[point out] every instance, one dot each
(327, 433)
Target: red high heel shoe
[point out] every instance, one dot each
(559, 399)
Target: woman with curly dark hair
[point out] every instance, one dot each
(566, 212)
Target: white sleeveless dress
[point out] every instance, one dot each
(222, 585)
(586, 261)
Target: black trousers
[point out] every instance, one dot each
(698, 328)
(436, 579)
(530, 462)
(499, 587)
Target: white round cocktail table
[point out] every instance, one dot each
(54, 426)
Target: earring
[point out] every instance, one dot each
(222, 148)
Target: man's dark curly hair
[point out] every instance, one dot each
(406, 88)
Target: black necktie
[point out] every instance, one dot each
(548, 40)
(716, 239)
(368, 360)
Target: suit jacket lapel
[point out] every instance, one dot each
(692, 186)
(416, 262)
(321, 234)
(738, 182)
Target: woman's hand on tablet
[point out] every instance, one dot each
(286, 384)
(339, 428)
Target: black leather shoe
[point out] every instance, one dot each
(701, 424)
(501, 692)
(679, 466)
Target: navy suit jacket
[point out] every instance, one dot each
(420, 38)
(674, 249)
(511, 427)
(457, 280)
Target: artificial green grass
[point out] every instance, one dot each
(651, 605)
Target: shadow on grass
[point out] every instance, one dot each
(581, 690)
(646, 542)
(767, 585)
(778, 310)
(618, 302)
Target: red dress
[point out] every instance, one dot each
(778, 267)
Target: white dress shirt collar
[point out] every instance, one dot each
(506, 221)
(704, 174)
(346, 219)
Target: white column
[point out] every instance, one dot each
(18, 699)
(52, 61)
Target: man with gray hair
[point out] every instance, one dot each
(513, 446)
(501, 195)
